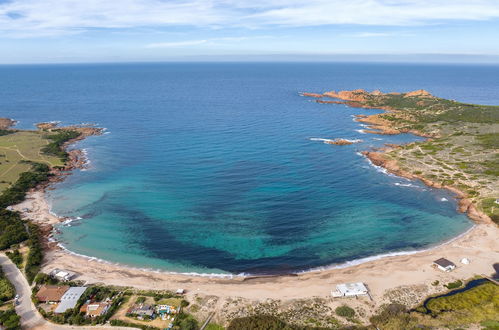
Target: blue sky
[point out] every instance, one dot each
(54, 31)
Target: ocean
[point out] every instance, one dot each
(215, 168)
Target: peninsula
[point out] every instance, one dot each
(461, 152)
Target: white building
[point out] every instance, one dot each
(350, 289)
(70, 298)
(444, 264)
(62, 275)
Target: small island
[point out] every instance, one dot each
(461, 152)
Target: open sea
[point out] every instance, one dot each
(212, 167)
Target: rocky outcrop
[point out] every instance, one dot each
(6, 123)
(419, 93)
(312, 95)
(358, 95)
(342, 142)
(84, 129)
(465, 205)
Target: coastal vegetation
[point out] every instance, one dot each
(26, 161)
(35, 254)
(461, 151)
(479, 304)
(454, 285)
(15, 193)
(55, 148)
(18, 151)
(7, 290)
(12, 230)
(10, 320)
(16, 257)
(345, 311)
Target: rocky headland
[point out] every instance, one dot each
(460, 153)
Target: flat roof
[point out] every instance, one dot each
(352, 287)
(70, 298)
(444, 263)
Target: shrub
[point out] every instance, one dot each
(7, 290)
(55, 147)
(16, 257)
(345, 311)
(35, 255)
(186, 322)
(119, 323)
(12, 229)
(10, 320)
(454, 285)
(266, 322)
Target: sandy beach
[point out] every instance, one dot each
(479, 245)
(405, 278)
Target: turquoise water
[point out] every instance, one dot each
(210, 168)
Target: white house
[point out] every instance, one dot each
(350, 289)
(444, 264)
(62, 275)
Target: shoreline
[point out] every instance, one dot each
(382, 274)
(373, 124)
(40, 198)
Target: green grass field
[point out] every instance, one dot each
(18, 147)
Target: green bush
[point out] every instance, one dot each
(12, 229)
(345, 311)
(393, 316)
(35, 255)
(55, 148)
(120, 323)
(16, 257)
(186, 322)
(454, 285)
(260, 322)
(7, 290)
(10, 320)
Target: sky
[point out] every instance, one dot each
(69, 31)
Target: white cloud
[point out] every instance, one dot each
(378, 34)
(370, 35)
(55, 17)
(176, 44)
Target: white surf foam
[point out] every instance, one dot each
(158, 271)
(360, 261)
(321, 139)
(330, 140)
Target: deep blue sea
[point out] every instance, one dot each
(210, 167)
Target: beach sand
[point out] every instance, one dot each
(479, 245)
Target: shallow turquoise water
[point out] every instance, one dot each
(210, 167)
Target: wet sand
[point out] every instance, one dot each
(479, 245)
